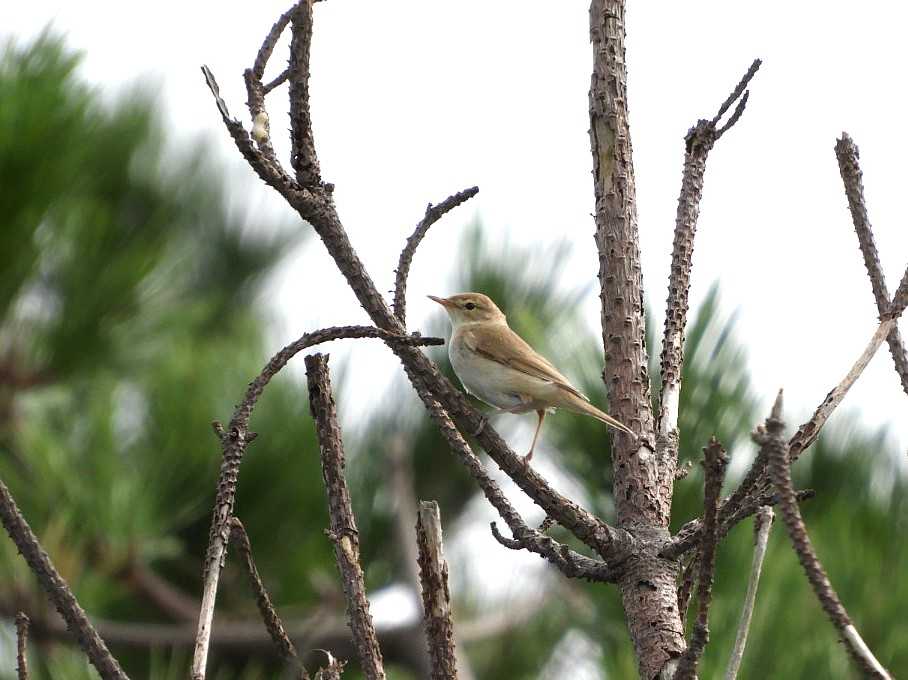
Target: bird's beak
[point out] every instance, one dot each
(444, 302)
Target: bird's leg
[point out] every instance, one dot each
(541, 414)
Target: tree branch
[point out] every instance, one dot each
(762, 525)
(847, 154)
(715, 463)
(22, 646)
(808, 432)
(342, 531)
(780, 459)
(233, 443)
(436, 598)
(433, 214)
(698, 143)
(57, 589)
(272, 621)
(303, 157)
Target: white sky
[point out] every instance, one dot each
(415, 100)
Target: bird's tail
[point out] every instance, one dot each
(579, 405)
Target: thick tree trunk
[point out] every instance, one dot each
(643, 492)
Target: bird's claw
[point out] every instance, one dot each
(483, 421)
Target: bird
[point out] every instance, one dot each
(498, 367)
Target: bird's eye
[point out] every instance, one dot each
(470, 306)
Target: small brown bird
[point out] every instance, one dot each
(497, 366)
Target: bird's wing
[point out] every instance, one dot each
(498, 343)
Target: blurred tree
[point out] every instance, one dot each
(129, 318)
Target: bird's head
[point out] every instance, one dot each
(466, 308)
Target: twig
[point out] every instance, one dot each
(698, 143)
(436, 598)
(277, 82)
(268, 44)
(273, 624)
(343, 525)
(303, 158)
(22, 646)
(808, 432)
(715, 463)
(233, 444)
(847, 154)
(762, 525)
(780, 471)
(57, 589)
(433, 214)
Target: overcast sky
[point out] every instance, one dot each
(415, 100)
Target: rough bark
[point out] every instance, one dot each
(642, 490)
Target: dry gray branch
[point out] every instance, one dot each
(433, 214)
(762, 525)
(698, 143)
(846, 152)
(342, 531)
(273, 624)
(303, 157)
(57, 589)
(436, 597)
(780, 460)
(22, 646)
(715, 463)
(233, 444)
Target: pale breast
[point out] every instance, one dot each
(483, 378)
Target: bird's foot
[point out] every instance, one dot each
(528, 457)
(483, 421)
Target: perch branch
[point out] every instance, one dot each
(269, 615)
(779, 468)
(57, 589)
(698, 143)
(342, 529)
(846, 152)
(762, 525)
(433, 214)
(436, 598)
(714, 464)
(233, 443)
(22, 646)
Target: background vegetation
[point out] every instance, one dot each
(127, 325)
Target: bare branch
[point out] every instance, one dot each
(303, 157)
(572, 564)
(273, 624)
(267, 48)
(715, 463)
(22, 646)
(614, 543)
(762, 525)
(847, 154)
(780, 459)
(698, 143)
(233, 444)
(808, 432)
(342, 531)
(433, 214)
(57, 589)
(267, 169)
(277, 82)
(436, 598)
